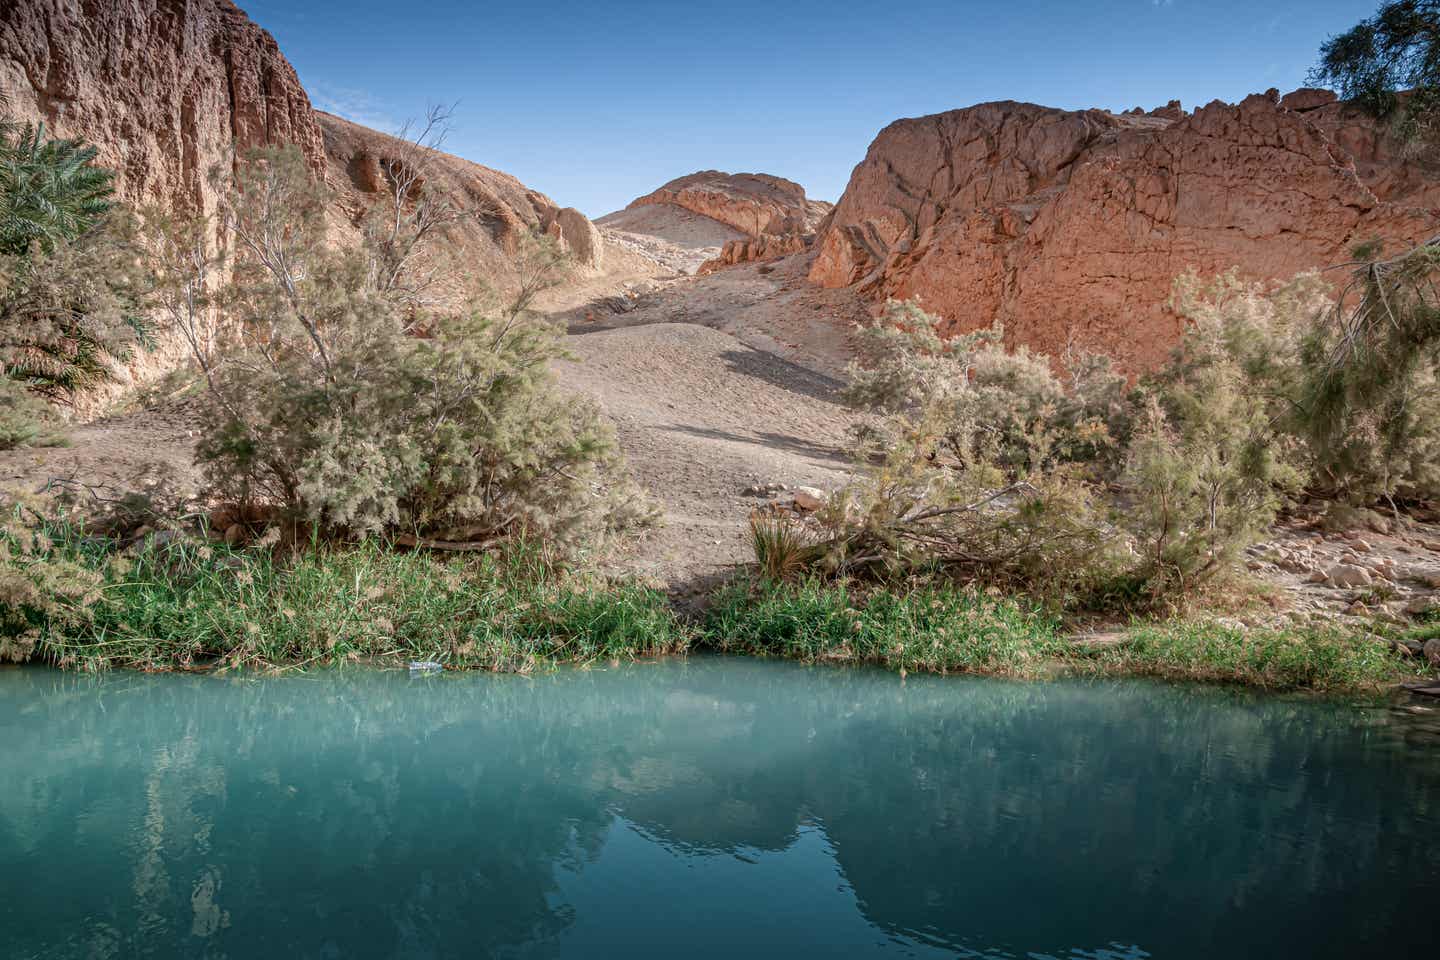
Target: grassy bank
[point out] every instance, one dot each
(186, 604)
(175, 604)
(941, 631)
(962, 630)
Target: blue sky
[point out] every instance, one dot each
(596, 103)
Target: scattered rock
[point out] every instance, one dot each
(1431, 649)
(809, 498)
(1348, 575)
(1420, 606)
(763, 489)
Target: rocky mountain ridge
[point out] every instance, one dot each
(1070, 226)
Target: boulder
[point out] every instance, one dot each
(771, 246)
(809, 498)
(576, 235)
(1307, 98)
(1431, 650)
(1348, 575)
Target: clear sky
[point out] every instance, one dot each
(596, 103)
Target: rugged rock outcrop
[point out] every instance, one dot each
(753, 203)
(1071, 226)
(501, 208)
(164, 88)
(770, 246)
(170, 90)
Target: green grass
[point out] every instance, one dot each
(928, 629)
(1328, 660)
(189, 604)
(946, 630)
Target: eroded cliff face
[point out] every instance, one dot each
(1071, 226)
(753, 203)
(164, 88)
(170, 90)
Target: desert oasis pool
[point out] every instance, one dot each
(707, 808)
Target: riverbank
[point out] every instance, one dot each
(170, 603)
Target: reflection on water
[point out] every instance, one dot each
(710, 809)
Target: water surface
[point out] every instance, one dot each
(715, 808)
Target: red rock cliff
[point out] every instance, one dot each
(1071, 226)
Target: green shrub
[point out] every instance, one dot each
(1389, 65)
(346, 405)
(42, 589)
(169, 602)
(943, 630)
(51, 191)
(1322, 659)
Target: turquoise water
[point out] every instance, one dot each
(715, 808)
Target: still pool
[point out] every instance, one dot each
(709, 808)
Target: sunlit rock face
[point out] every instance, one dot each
(1070, 226)
(753, 203)
(173, 93)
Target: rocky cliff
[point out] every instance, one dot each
(171, 89)
(163, 87)
(752, 203)
(1070, 226)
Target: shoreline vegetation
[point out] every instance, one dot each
(168, 603)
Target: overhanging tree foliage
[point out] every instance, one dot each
(1390, 65)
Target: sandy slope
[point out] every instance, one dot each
(700, 417)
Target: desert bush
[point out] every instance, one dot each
(1347, 380)
(71, 313)
(25, 420)
(923, 511)
(41, 590)
(986, 403)
(346, 404)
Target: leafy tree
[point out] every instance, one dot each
(1390, 65)
(51, 191)
(71, 287)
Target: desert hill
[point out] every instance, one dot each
(713, 214)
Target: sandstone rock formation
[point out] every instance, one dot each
(500, 207)
(753, 203)
(171, 89)
(162, 87)
(770, 246)
(1071, 226)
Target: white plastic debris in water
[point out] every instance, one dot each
(425, 666)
